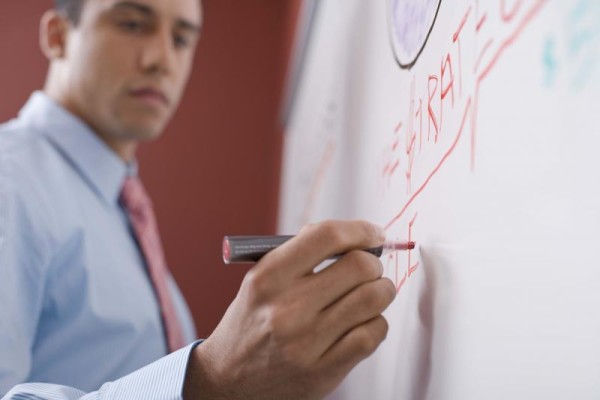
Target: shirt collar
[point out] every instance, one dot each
(98, 165)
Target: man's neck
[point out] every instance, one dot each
(124, 149)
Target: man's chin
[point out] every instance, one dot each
(144, 133)
(144, 125)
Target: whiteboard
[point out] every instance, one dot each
(472, 128)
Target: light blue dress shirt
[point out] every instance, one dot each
(77, 308)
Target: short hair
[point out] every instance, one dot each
(71, 8)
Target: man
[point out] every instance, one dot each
(87, 306)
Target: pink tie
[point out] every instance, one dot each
(139, 208)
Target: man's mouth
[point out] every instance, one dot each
(151, 96)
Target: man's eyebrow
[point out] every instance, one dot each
(144, 9)
(188, 25)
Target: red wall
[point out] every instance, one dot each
(215, 171)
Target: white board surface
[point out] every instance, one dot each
(486, 152)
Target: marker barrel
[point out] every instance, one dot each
(249, 249)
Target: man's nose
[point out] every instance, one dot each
(159, 53)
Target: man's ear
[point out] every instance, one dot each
(54, 27)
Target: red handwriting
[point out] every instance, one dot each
(399, 274)
(441, 99)
(497, 27)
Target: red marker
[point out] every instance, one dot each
(247, 249)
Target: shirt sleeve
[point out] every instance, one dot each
(161, 380)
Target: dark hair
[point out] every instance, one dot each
(71, 8)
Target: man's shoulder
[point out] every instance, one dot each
(26, 154)
(31, 171)
(12, 134)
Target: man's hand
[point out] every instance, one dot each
(292, 333)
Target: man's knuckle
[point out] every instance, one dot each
(373, 300)
(258, 284)
(294, 357)
(329, 232)
(369, 229)
(359, 266)
(306, 228)
(279, 324)
(367, 342)
(364, 268)
(367, 266)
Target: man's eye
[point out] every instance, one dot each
(180, 41)
(131, 26)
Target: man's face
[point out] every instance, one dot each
(128, 63)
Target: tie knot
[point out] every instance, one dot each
(133, 195)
